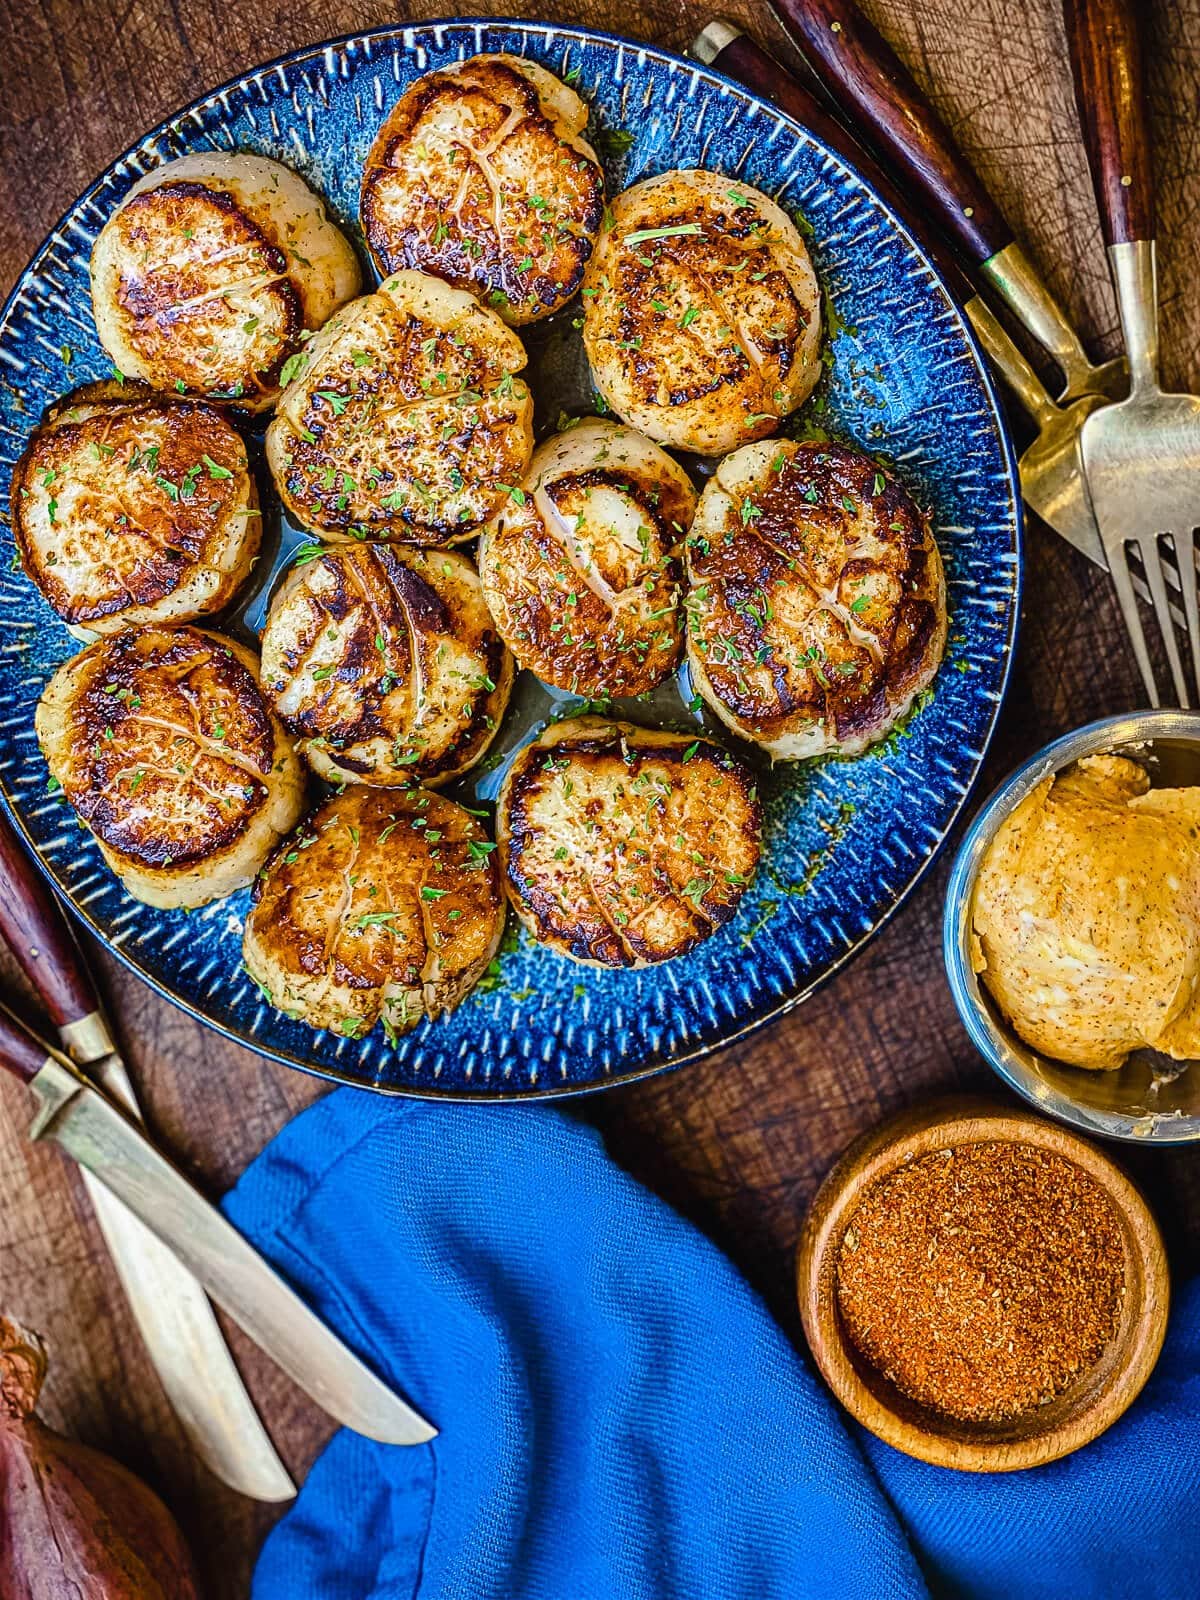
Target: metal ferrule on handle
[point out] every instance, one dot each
(1019, 284)
(1010, 361)
(1134, 270)
(88, 1038)
(55, 1086)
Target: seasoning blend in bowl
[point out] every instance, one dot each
(980, 1288)
(983, 1280)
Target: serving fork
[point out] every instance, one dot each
(1141, 457)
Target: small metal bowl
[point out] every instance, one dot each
(1151, 1099)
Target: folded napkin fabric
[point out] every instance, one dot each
(619, 1416)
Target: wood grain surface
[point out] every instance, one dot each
(738, 1142)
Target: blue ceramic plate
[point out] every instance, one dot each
(846, 841)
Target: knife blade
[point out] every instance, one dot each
(178, 1326)
(102, 1138)
(183, 1337)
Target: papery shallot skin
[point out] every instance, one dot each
(73, 1522)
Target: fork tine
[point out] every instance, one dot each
(1152, 563)
(1185, 555)
(1118, 566)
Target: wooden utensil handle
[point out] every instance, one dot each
(35, 927)
(21, 1051)
(863, 74)
(744, 60)
(1106, 59)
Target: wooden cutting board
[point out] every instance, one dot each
(738, 1142)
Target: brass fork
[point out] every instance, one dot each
(1141, 457)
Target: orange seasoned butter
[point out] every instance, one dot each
(1086, 916)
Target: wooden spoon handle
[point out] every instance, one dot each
(21, 1051)
(1106, 58)
(36, 929)
(865, 77)
(737, 55)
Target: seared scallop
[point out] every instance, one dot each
(480, 175)
(817, 601)
(385, 664)
(581, 569)
(623, 846)
(407, 419)
(209, 272)
(383, 905)
(163, 743)
(131, 508)
(701, 312)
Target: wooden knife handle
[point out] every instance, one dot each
(21, 1051)
(35, 927)
(1106, 59)
(865, 77)
(746, 61)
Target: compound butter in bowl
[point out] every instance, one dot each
(1072, 928)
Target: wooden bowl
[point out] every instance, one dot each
(1078, 1415)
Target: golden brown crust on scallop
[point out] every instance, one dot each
(816, 603)
(581, 571)
(382, 905)
(164, 293)
(623, 846)
(385, 664)
(407, 420)
(162, 742)
(701, 312)
(479, 175)
(208, 272)
(135, 510)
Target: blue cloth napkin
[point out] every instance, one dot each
(620, 1417)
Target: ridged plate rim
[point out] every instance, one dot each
(409, 35)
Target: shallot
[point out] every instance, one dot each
(72, 1522)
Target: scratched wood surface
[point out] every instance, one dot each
(737, 1142)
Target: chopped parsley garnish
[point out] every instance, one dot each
(614, 142)
(293, 367)
(644, 235)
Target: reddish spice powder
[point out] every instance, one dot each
(983, 1280)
